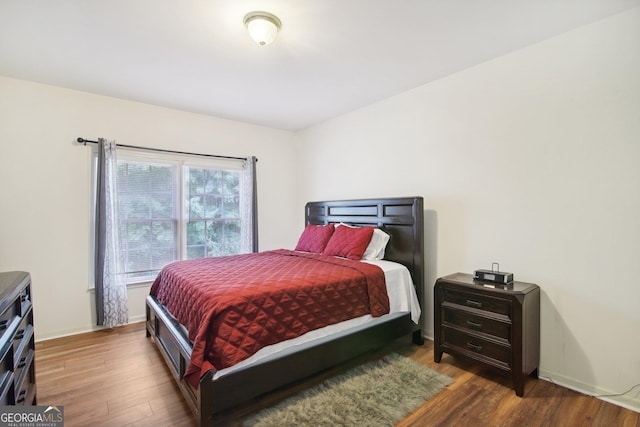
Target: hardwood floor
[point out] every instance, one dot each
(118, 378)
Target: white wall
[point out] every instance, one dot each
(531, 160)
(45, 186)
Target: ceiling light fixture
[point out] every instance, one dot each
(262, 26)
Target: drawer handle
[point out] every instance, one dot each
(474, 325)
(21, 397)
(23, 361)
(3, 324)
(474, 347)
(472, 303)
(19, 335)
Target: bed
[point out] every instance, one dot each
(277, 366)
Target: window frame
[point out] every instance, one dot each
(181, 162)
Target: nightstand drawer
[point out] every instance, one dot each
(25, 301)
(22, 371)
(6, 391)
(473, 346)
(8, 316)
(478, 301)
(471, 322)
(22, 337)
(26, 393)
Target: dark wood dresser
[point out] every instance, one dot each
(17, 350)
(497, 325)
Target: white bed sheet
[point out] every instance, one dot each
(402, 293)
(402, 298)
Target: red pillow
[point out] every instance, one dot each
(348, 242)
(314, 238)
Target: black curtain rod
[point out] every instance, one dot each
(85, 141)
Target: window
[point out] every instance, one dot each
(171, 209)
(213, 212)
(148, 216)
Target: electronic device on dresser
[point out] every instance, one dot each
(496, 325)
(17, 349)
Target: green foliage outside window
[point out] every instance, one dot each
(213, 212)
(150, 219)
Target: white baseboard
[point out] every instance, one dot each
(70, 332)
(627, 401)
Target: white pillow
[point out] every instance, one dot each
(377, 244)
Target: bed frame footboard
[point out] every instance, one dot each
(219, 394)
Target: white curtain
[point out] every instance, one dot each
(110, 285)
(249, 207)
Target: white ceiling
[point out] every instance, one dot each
(331, 57)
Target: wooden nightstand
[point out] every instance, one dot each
(497, 325)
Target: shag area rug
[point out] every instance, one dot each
(377, 393)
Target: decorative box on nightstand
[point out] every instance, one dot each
(496, 325)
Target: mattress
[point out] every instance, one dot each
(235, 305)
(402, 300)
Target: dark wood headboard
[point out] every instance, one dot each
(401, 218)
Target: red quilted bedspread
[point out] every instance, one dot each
(233, 306)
